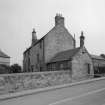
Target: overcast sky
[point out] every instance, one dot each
(18, 17)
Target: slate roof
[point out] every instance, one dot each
(65, 55)
(2, 54)
(97, 57)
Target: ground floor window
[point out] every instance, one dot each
(51, 67)
(61, 65)
(32, 68)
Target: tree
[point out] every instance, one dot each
(103, 55)
(16, 68)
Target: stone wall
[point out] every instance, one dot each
(24, 81)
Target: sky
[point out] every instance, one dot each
(19, 17)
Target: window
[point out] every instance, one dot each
(88, 68)
(28, 63)
(32, 68)
(36, 66)
(40, 44)
(38, 58)
(64, 65)
(51, 67)
(61, 66)
(58, 66)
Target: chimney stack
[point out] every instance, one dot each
(74, 41)
(34, 37)
(82, 38)
(59, 20)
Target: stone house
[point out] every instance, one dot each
(4, 63)
(57, 51)
(4, 59)
(41, 51)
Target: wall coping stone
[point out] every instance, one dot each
(51, 88)
(32, 73)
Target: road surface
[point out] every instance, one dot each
(77, 92)
(96, 97)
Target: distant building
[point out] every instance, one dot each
(4, 59)
(98, 64)
(57, 51)
(4, 63)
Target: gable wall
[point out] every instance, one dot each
(79, 64)
(57, 40)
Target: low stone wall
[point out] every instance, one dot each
(24, 81)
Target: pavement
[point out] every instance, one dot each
(80, 95)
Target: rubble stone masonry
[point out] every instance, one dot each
(24, 81)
